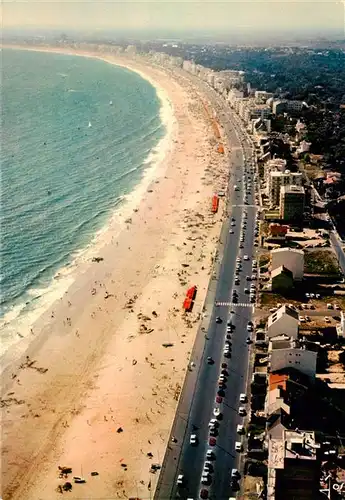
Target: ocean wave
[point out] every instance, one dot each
(52, 280)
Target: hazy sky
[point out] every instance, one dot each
(182, 14)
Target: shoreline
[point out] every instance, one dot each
(97, 376)
(115, 223)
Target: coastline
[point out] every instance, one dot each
(21, 324)
(109, 394)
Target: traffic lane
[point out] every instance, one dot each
(193, 458)
(229, 408)
(212, 348)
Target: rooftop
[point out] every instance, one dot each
(283, 310)
(295, 445)
(295, 251)
(292, 189)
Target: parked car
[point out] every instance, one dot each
(180, 480)
(193, 440)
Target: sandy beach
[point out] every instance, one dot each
(96, 390)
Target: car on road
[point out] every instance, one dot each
(235, 474)
(218, 319)
(238, 446)
(241, 245)
(231, 231)
(224, 365)
(240, 429)
(252, 299)
(210, 455)
(246, 290)
(249, 327)
(219, 399)
(193, 440)
(243, 397)
(234, 485)
(237, 282)
(213, 431)
(242, 411)
(210, 360)
(212, 441)
(213, 422)
(217, 413)
(180, 480)
(248, 340)
(204, 494)
(246, 257)
(233, 224)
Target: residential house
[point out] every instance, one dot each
(284, 320)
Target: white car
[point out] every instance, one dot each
(210, 454)
(180, 480)
(208, 467)
(216, 412)
(238, 446)
(240, 429)
(193, 440)
(205, 478)
(243, 397)
(213, 422)
(242, 411)
(246, 257)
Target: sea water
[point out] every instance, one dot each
(77, 136)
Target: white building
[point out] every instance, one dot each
(304, 147)
(341, 326)
(293, 462)
(286, 352)
(283, 321)
(294, 106)
(291, 258)
(276, 179)
(261, 96)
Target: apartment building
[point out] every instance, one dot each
(287, 352)
(292, 201)
(275, 180)
(281, 106)
(261, 96)
(293, 466)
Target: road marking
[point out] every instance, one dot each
(231, 304)
(246, 206)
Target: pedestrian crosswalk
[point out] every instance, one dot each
(231, 304)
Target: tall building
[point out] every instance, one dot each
(292, 200)
(276, 180)
(293, 466)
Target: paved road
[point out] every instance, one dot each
(197, 400)
(338, 249)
